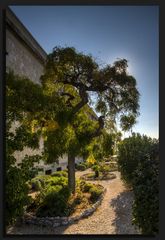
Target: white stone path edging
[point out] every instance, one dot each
(62, 221)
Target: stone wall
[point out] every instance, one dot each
(23, 54)
(21, 60)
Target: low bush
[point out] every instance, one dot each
(60, 174)
(52, 181)
(53, 201)
(104, 169)
(95, 192)
(96, 169)
(43, 181)
(38, 182)
(86, 187)
(81, 167)
(35, 184)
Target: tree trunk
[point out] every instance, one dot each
(71, 173)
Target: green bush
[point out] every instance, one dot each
(44, 181)
(96, 169)
(60, 174)
(95, 192)
(131, 152)
(86, 187)
(52, 181)
(53, 201)
(104, 169)
(16, 194)
(139, 165)
(146, 193)
(36, 184)
(39, 182)
(81, 167)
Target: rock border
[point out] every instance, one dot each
(62, 221)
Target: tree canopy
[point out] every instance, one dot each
(74, 76)
(116, 90)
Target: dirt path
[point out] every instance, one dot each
(112, 217)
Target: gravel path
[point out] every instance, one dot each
(113, 216)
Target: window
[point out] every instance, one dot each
(59, 169)
(48, 172)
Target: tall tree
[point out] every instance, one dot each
(115, 90)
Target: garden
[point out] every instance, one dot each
(57, 111)
(51, 196)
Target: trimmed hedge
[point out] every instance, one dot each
(146, 192)
(138, 162)
(131, 152)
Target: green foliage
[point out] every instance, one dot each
(95, 192)
(104, 169)
(63, 181)
(16, 194)
(102, 146)
(74, 75)
(146, 193)
(60, 174)
(96, 169)
(131, 152)
(18, 96)
(53, 196)
(81, 166)
(86, 187)
(115, 89)
(139, 166)
(53, 201)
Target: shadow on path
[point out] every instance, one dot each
(122, 206)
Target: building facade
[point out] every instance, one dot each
(27, 58)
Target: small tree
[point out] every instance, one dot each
(116, 92)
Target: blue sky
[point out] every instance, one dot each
(108, 33)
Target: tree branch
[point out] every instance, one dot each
(71, 97)
(84, 100)
(98, 130)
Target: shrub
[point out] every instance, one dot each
(95, 192)
(96, 169)
(86, 187)
(104, 169)
(146, 193)
(131, 152)
(17, 194)
(38, 182)
(44, 181)
(53, 201)
(81, 167)
(60, 174)
(52, 181)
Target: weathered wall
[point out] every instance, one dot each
(26, 58)
(20, 59)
